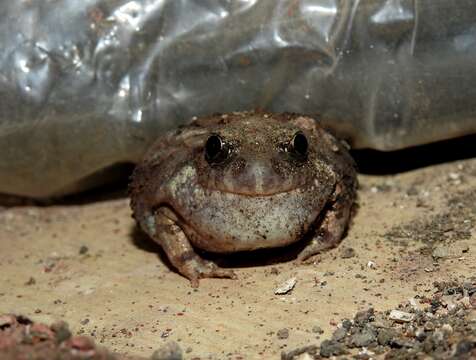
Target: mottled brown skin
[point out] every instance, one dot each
(243, 181)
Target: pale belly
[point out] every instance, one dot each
(227, 222)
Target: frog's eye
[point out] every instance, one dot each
(215, 149)
(299, 145)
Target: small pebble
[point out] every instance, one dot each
(347, 253)
(363, 338)
(283, 334)
(385, 336)
(317, 329)
(401, 316)
(83, 250)
(286, 286)
(170, 351)
(31, 281)
(61, 330)
(339, 334)
(331, 348)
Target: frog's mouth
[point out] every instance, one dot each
(259, 181)
(255, 192)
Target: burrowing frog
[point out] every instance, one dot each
(243, 181)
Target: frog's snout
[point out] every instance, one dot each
(255, 178)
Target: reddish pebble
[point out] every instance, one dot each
(7, 321)
(41, 331)
(81, 343)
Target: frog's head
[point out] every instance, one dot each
(257, 156)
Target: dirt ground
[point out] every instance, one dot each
(86, 263)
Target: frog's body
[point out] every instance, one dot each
(243, 181)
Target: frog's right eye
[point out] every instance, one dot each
(216, 150)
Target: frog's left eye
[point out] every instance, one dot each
(299, 144)
(216, 149)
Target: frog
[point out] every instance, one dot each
(243, 181)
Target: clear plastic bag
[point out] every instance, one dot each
(89, 84)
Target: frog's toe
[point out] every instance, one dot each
(197, 268)
(223, 273)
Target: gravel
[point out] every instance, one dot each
(439, 326)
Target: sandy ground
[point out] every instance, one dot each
(89, 265)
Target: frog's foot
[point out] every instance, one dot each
(194, 268)
(170, 235)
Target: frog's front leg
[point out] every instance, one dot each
(334, 224)
(169, 234)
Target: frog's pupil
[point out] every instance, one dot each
(213, 147)
(300, 144)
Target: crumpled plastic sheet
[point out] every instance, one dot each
(89, 84)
